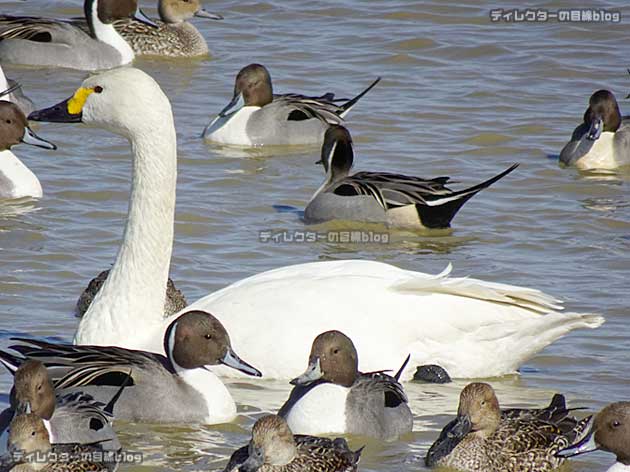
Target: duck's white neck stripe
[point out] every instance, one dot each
(4, 84)
(109, 35)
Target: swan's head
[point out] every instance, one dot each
(125, 101)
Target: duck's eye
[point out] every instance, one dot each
(9, 122)
(616, 424)
(483, 402)
(98, 89)
(336, 351)
(208, 336)
(32, 433)
(39, 387)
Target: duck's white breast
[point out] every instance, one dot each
(619, 467)
(231, 129)
(322, 410)
(601, 155)
(219, 401)
(17, 180)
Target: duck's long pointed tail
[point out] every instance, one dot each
(438, 212)
(346, 107)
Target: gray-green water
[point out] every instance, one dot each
(460, 96)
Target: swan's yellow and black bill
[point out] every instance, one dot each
(68, 111)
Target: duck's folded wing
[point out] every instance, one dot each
(394, 190)
(381, 383)
(300, 108)
(80, 418)
(42, 30)
(76, 366)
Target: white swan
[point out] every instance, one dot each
(470, 327)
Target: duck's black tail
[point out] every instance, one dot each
(345, 108)
(438, 211)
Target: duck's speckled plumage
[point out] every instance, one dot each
(311, 454)
(29, 435)
(521, 441)
(168, 39)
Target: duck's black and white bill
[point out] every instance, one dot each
(312, 374)
(31, 138)
(232, 360)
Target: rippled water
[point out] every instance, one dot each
(460, 96)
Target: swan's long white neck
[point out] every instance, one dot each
(108, 34)
(133, 295)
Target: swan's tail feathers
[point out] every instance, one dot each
(529, 340)
(439, 211)
(346, 107)
(523, 297)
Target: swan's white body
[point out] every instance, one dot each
(470, 327)
(16, 180)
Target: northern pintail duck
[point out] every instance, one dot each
(174, 302)
(59, 43)
(482, 439)
(602, 141)
(17, 180)
(30, 450)
(69, 418)
(609, 431)
(182, 383)
(382, 197)
(257, 117)
(424, 310)
(274, 448)
(332, 396)
(174, 36)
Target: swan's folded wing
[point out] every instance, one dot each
(524, 297)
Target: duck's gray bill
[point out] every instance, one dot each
(461, 427)
(313, 373)
(584, 445)
(232, 360)
(206, 14)
(142, 18)
(595, 131)
(236, 104)
(31, 138)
